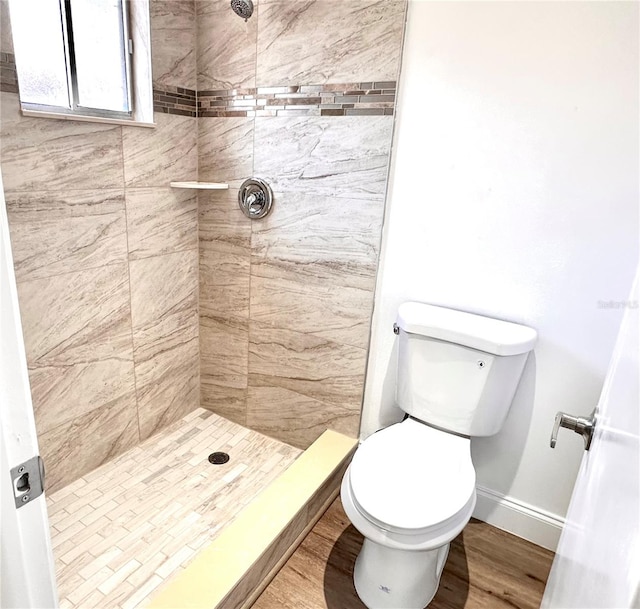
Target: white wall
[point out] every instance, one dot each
(514, 193)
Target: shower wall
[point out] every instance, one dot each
(302, 94)
(106, 258)
(110, 260)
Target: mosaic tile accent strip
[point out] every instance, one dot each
(344, 99)
(121, 531)
(175, 100)
(8, 73)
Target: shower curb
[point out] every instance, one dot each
(238, 565)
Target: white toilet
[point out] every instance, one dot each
(410, 488)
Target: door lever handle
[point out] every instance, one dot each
(582, 425)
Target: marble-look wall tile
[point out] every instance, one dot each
(167, 386)
(319, 41)
(49, 154)
(176, 14)
(335, 239)
(225, 254)
(63, 393)
(142, 92)
(313, 266)
(316, 367)
(81, 445)
(6, 39)
(77, 317)
(224, 350)
(345, 157)
(225, 149)
(227, 401)
(295, 418)
(164, 300)
(173, 39)
(61, 232)
(156, 157)
(222, 227)
(84, 222)
(226, 46)
(77, 331)
(224, 284)
(281, 298)
(161, 221)
(164, 312)
(305, 275)
(224, 346)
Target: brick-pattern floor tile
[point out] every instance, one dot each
(124, 529)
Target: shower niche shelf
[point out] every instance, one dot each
(200, 185)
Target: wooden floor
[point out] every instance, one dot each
(486, 569)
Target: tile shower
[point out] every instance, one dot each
(123, 530)
(141, 303)
(285, 302)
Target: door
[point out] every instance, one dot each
(27, 577)
(597, 563)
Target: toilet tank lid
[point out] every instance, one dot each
(476, 331)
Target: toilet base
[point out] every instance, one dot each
(387, 578)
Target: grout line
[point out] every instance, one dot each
(255, 68)
(246, 395)
(126, 223)
(198, 194)
(198, 292)
(196, 54)
(133, 357)
(253, 163)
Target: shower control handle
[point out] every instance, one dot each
(255, 201)
(581, 425)
(255, 198)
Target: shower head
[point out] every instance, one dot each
(242, 8)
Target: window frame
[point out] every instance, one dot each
(137, 57)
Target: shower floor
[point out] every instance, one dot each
(121, 531)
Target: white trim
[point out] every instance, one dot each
(519, 518)
(85, 119)
(27, 569)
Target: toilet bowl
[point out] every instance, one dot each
(410, 490)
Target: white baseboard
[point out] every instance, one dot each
(533, 524)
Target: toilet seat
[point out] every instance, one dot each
(409, 477)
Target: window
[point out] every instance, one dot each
(78, 58)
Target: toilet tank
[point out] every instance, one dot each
(458, 371)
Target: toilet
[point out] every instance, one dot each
(410, 487)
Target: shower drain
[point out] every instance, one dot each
(218, 458)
